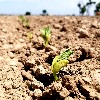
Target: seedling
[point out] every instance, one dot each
(60, 61)
(46, 35)
(30, 36)
(24, 21)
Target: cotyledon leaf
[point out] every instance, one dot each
(60, 61)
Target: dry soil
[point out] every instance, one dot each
(25, 65)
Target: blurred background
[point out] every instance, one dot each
(48, 7)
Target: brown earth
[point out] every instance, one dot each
(25, 66)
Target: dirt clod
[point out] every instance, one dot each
(25, 66)
(37, 93)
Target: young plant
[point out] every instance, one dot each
(46, 35)
(24, 21)
(30, 36)
(60, 61)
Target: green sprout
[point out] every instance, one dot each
(24, 21)
(60, 61)
(30, 36)
(46, 35)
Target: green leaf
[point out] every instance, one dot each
(46, 35)
(60, 62)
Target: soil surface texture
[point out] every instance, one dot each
(25, 64)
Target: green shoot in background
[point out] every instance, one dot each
(46, 35)
(59, 62)
(24, 21)
(30, 36)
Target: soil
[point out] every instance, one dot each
(25, 64)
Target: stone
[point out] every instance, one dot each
(64, 92)
(40, 70)
(27, 75)
(37, 84)
(82, 33)
(37, 93)
(56, 86)
(57, 26)
(69, 98)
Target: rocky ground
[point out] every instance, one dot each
(25, 65)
